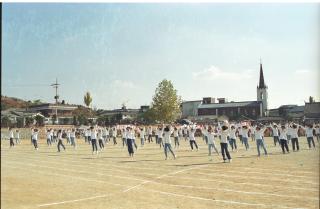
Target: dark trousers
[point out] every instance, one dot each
(124, 141)
(310, 139)
(240, 137)
(48, 141)
(233, 143)
(11, 142)
(129, 145)
(284, 144)
(60, 144)
(101, 145)
(224, 151)
(160, 142)
(295, 143)
(94, 145)
(150, 138)
(193, 142)
(89, 139)
(35, 143)
(276, 140)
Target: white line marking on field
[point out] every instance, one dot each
(222, 201)
(246, 183)
(237, 191)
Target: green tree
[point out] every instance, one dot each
(39, 120)
(29, 121)
(54, 119)
(165, 103)
(74, 120)
(87, 99)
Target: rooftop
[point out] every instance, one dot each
(230, 104)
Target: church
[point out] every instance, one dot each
(209, 108)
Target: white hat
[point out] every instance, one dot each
(225, 123)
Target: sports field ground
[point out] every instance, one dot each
(77, 179)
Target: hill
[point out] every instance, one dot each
(12, 102)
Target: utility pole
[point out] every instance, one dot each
(56, 97)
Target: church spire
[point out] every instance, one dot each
(261, 80)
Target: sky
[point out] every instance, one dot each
(120, 52)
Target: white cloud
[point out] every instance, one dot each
(215, 73)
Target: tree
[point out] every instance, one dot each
(311, 99)
(20, 122)
(87, 99)
(74, 120)
(54, 119)
(29, 121)
(39, 120)
(5, 121)
(166, 102)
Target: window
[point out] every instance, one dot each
(253, 112)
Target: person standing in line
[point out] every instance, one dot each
(160, 136)
(192, 139)
(259, 134)
(289, 133)
(133, 137)
(211, 144)
(49, 137)
(283, 139)
(86, 134)
(142, 132)
(35, 138)
(149, 132)
(73, 138)
(55, 136)
(232, 140)
(309, 134)
(60, 140)
(295, 137)
(100, 139)
(317, 127)
(93, 139)
(204, 132)
(240, 133)
(275, 133)
(185, 133)
(129, 136)
(11, 137)
(252, 132)
(18, 137)
(224, 142)
(167, 131)
(104, 134)
(68, 136)
(176, 138)
(245, 136)
(123, 136)
(114, 135)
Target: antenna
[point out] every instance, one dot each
(55, 85)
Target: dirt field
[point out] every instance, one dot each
(78, 179)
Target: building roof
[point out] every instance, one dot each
(191, 101)
(261, 79)
(230, 104)
(53, 106)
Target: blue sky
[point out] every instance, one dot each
(120, 52)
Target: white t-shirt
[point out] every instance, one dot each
(191, 134)
(245, 132)
(48, 135)
(283, 134)
(275, 131)
(259, 134)
(309, 132)
(167, 137)
(210, 137)
(175, 133)
(224, 136)
(11, 134)
(233, 133)
(35, 135)
(93, 134)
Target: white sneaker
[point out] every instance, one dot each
(230, 160)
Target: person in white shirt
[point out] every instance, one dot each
(114, 135)
(192, 139)
(60, 142)
(204, 132)
(49, 137)
(185, 133)
(55, 136)
(180, 134)
(100, 139)
(224, 142)
(104, 134)
(240, 132)
(309, 134)
(211, 144)
(73, 138)
(283, 139)
(176, 137)
(245, 136)
(18, 137)
(142, 132)
(275, 133)
(232, 138)
(68, 136)
(93, 139)
(149, 133)
(35, 138)
(129, 136)
(11, 137)
(51, 134)
(295, 137)
(289, 130)
(160, 136)
(167, 141)
(252, 132)
(317, 127)
(124, 139)
(259, 134)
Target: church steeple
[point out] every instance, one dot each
(261, 80)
